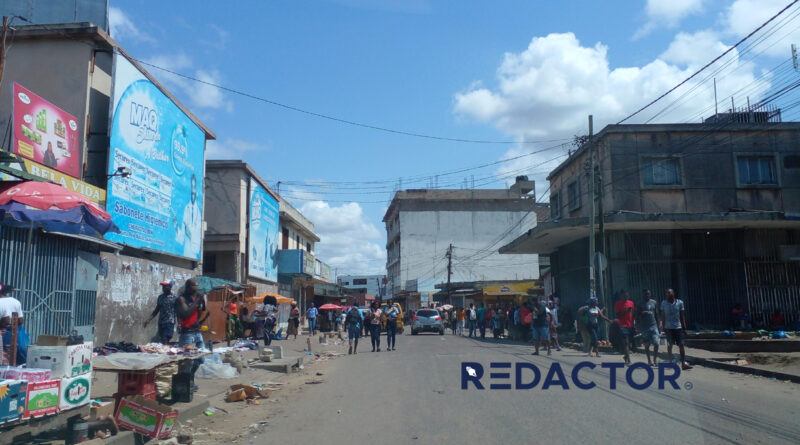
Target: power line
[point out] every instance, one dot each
(724, 53)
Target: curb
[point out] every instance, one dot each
(708, 363)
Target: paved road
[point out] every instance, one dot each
(414, 395)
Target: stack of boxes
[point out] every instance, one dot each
(70, 380)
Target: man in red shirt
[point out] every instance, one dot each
(624, 311)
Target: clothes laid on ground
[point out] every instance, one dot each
(624, 307)
(672, 313)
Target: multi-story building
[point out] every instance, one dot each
(97, 122)
(364, 284)
(242, 232)
(711, 210)
(421, 225)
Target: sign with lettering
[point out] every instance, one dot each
(45, 133)
(159, 205)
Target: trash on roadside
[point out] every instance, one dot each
(216, 371)
(314, 381)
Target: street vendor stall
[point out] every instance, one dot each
(136, 373)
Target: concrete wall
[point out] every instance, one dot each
(127, 292)
(373, 286)
(476, 235)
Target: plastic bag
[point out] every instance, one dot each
(216, 371)
(779, 334)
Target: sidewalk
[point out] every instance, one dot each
(780, 366)
(211, 391)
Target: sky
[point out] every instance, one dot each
(345, 101)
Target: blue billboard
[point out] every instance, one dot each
(159, 206)
(264, 221)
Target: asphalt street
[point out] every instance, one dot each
(414, 395)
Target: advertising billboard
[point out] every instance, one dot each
(264, 222)
(45, 133)
(159, 206)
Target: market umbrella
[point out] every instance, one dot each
(329, 307)
(53, 207)
(269, 298)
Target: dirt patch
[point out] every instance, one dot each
(778, 360)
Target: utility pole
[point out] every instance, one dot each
(590, 173)
(3, 47)
(449, 256)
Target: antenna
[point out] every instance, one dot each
(716, 111)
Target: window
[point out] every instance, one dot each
(360, 281)
(285, 240)
(661, 171)
(297, 240)
(756, 170)
(308, 247)
(209, 262)
(573, 195)
(555, 205)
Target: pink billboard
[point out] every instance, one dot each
(45, 133)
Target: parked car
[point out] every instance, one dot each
(427, 320)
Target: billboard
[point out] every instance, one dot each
(160, 205)
(264, 222)
(45, 133)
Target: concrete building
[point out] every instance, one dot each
(711, 210)
(364, 284)
(422, 224)
(238, 201)
(102, 287)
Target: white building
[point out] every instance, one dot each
(422, 224)
(364, 284)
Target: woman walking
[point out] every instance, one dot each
(375, 325)
(294, 320)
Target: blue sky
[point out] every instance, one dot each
(509, 71)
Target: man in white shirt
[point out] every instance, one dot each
(8, 306)
(189, 230)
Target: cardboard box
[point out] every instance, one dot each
(62, 361)
(12, 400)
(146, 417)
(51, 340)
(42, 399)
(103, 408)
(27, 374)
(75, 392)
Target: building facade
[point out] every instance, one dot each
(242, 226)
(711, 210)
(77, 126)
(364, 284)
(422, 224)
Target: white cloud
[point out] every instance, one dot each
(667, 14)
(201, 94)
(122, 28)
(233, 148)
(743, 16)
(348, 242)
(549, 89)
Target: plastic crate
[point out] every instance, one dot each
(136, 383)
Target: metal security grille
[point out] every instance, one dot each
(42, 268)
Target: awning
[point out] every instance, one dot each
(546, 237)
(207, 284)
(91, 239)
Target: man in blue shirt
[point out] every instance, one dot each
(311, 314)
(353, 321)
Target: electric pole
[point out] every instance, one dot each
(449, 256)
(591, 175)
(3, 47)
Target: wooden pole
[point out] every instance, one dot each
(14, 329)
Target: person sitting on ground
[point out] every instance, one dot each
(777, 321)
(248, 322)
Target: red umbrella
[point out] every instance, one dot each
(45, 196)
(329, 306)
